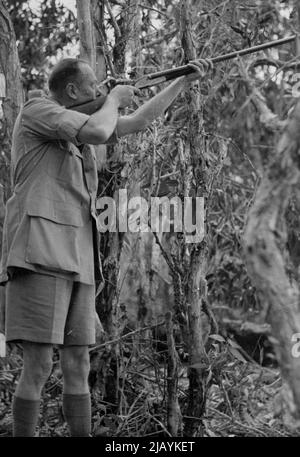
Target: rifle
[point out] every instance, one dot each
(160, 77)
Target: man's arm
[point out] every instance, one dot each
(102, 123)
(156, 106)
(151, 110)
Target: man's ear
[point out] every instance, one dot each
(71, 90)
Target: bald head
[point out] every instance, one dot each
(66, 71)
(73, 82)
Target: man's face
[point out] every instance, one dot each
(87, 85)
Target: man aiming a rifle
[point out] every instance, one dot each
(50, 242)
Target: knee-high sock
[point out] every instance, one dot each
(25, 416)
(77, 412)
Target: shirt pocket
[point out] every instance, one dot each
(53, 236)
(64, 164)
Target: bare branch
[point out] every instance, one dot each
(106, 50)
(267, 117)
(134, 332)
(153, 9)
(113, 20)
(149, 44)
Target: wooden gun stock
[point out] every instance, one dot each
(90, 107)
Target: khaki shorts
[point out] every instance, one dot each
(46, 309)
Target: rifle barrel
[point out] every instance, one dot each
(185, 69)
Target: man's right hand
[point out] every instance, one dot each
(124, 94)
(102, 123)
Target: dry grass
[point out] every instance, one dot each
(243, 398)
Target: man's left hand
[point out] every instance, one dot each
(201, 67)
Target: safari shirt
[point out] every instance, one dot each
(50, 219)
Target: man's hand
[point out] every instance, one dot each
(201, 67)
(124, 94)
(103, 122)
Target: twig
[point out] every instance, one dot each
(237, 422)
(106, 50)
(149, 44)
(165, 254)
(144, 376)
(118, 2)
(264, 83)
(267, 117)
(154, 9)
(213, 9)
(153, 433)
(168, 175)
(116, 340)
(113, 20)
(161, 424)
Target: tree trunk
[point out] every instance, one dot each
(85, 26)
(174, 418)
(111, 243)
(11, 99)
(11, 92)
(187, 258)
(195, 285)
(265, 238)
(88, 53)
(90, 20)
(97, 17)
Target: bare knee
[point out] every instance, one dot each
(75, 363)
(37, 363)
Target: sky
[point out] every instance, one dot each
(71, 4)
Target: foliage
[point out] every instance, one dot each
(237, 145)
(41, 33)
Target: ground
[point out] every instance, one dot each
(243, 400)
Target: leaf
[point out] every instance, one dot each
(217, 338)
(237, 355)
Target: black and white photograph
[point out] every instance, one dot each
(149, 222)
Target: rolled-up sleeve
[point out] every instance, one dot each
(46, 118)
